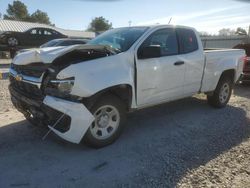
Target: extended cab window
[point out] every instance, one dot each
(166, 39)
(187, 40)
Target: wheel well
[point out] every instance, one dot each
(229, 74)
(123, 92)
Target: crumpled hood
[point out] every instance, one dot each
(48, 55)
(45, 55)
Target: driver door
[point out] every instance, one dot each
(160, 79)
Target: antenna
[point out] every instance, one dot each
(170, 20)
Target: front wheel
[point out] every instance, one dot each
(12, 41)
(222, 93)
(110, 115)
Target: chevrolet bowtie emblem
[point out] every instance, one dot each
(19, 77)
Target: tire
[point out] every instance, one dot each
(12, 41)
(222, 93)
(110, 116)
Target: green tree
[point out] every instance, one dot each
(99, 24)
(204, 34)
(226, 32)
(40, 17)
(17, 11)
(241, 31)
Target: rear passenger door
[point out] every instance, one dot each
(193, 56)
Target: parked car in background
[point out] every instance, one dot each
(31, 38)
(246, 70)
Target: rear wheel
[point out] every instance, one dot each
(222, 93)
(110, 115)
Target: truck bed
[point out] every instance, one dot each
(217, 60)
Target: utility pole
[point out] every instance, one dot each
(129, 23)
(249, 31)
(248, 36)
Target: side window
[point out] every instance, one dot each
(187, 40)
(39, 32)
(54, 32)
(166, 39)
(33, 32)
(47, 32)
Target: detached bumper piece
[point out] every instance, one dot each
(81, 118)
(48, 110)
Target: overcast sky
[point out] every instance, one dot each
(207, 16)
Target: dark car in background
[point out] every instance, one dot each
(33, 37)
(246, 70)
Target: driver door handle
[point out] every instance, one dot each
(178, 63)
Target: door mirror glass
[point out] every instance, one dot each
(151, 51)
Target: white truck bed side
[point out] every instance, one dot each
(216, 62)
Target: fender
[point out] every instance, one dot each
(96, 75)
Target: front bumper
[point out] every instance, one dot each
(81, 118)
(50, 109)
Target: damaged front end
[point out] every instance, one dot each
(43, 98)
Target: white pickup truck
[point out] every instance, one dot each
(83, 92)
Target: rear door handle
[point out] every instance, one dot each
(178, 63)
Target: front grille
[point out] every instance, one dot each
(27, 89)
(33, 69)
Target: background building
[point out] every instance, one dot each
(224, 41)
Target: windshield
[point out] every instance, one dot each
(120, 39)
(51, 43)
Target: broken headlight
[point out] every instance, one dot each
(63, 86)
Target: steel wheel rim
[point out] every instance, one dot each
(107, 120)
(224, 93)
(12, 41)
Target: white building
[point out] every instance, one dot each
(224, 41)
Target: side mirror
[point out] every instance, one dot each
(152, 51)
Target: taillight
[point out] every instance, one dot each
(246, 59)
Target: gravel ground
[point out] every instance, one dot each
(5, 103)
(181, 144)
